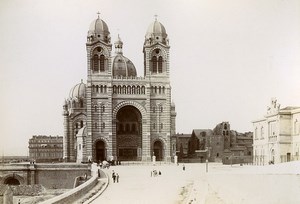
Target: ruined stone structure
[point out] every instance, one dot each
(219, 144)
(117, 115)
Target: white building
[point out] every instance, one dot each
(276, 136)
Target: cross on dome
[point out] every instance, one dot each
(155, 17)
(98, 13)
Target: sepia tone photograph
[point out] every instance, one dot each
(143, 102)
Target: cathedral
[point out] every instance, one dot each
(117, 115)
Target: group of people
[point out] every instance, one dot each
(115, 177)
(155, 173)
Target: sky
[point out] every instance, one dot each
(227, 59)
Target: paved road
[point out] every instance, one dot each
(222, 184)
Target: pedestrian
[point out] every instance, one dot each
(117, 177)
(159, 173)
(114, 176)
(183, 167)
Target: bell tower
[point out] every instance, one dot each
(156, 51)
(99, 76)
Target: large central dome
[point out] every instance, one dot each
(121, 65)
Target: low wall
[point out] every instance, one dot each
(73, 194)
(78, 192)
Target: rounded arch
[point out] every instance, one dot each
(100, 149)
(158, 148)
(99, 50)
(129, 103)
(13, 179)
(162, 52)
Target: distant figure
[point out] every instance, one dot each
(159, 173)
(114, 176)
(183, 167)
(117, 177)
(19, 202)
(99, 172)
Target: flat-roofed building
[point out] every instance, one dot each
(46, 148)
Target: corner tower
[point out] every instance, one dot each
(99, 79)
(156, 51)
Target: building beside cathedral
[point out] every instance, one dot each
(117, 115)
(220, 145)
(277, 135)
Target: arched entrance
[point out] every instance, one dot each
(12, 181)
(158, 150)
(100, 151)
(129, 134)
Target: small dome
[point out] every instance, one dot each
(78, 91)
(122, 66)
(99, 30)
(156, 33)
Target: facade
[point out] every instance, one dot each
(182, 141)
(276, 135)
(46, 148)
(220, 144)
(117, 115)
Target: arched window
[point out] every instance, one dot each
(155, 89)
(159, 90)
(105, 89)
(103, 125)
(81, 123)
(128, 90)
(133, 90)
(154, 64)
(101, 89)
(102, 59)
(124, 90)
(163, 89)
(133, 128)
(81, 103)
(160, 62)
(93, 88)
(114, 89)
(103, 109)
(96, 108)
(138, 90)
(95, 63)
(97, 89)
(127, 128)
(153, 109)
(143, 90)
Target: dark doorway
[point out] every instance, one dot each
(12, 181)
(158, 150)
(288, 155)
(129, 134)
(100, 151)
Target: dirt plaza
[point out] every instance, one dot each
(220, 184)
